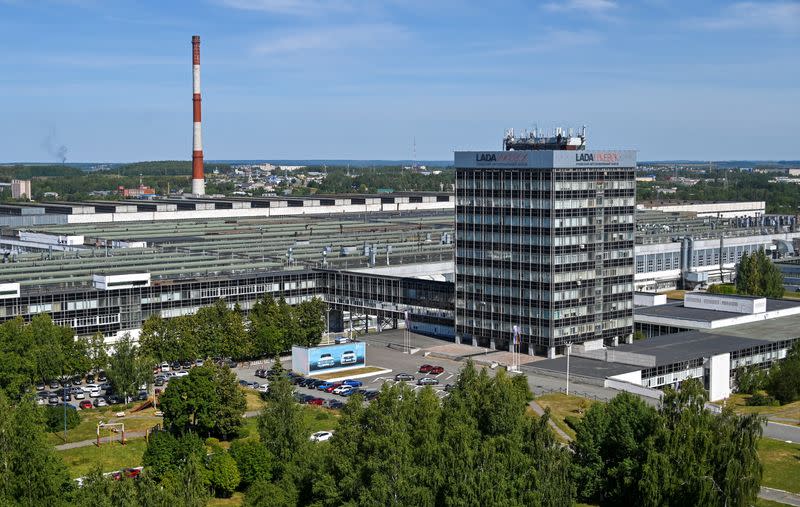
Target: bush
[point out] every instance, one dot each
(573, 422)
(750, 379)
(762, 400)
(224, 475)
(54, 418)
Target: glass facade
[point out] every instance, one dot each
(547, 249)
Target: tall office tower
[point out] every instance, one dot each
(544, 244)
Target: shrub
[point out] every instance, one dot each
(54, 418)
(573, 422)
(253, 460)
(762, 400)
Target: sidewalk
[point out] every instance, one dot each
(540, 411)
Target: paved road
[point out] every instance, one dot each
(780, 496)
(780, 431)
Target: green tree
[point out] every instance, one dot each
(221, 331)
(281, 424)
(783, 382)
(18, 367)
(207, 401)
(128, 370)
(167, 453)
(54, 418)
(253, 460)
(266, 335)
(97, 351)
(223, 473)
(310, 321)
(757, 275)
(30, 471)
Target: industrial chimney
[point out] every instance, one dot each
(198, 178)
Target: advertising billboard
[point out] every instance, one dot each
(329, 357)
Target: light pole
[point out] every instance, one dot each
(568, 346)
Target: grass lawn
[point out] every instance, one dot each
(788, 411)
(110, 457)
(87, 429)
(254, 401)
(562, 406)
(674, 294)
(236, 499)
(781, 464)
(760, 502)
(345, 374)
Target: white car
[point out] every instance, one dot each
(342, 389)
(80, 394)
(181, 373)
(321, 436)
(100, 402)
(263, 388)
(165, 366)
(93, 390)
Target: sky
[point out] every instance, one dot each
(110, 80)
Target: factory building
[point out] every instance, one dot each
(544, 248)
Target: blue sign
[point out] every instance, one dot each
(337, 356)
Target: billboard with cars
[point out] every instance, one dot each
(326, 358)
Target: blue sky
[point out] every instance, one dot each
(360, 79)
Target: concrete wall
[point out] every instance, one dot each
(621, 385)
(634, 377)
(719, 383)
(724, 303)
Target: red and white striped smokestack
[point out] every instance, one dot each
(198, 178)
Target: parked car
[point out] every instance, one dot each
(349, 357)
(100, 402)
(427, 381)
(52, 400)
(371, 395)
(403, 377)
(198, 362)
(315, 401)
(348, 392)
(165, 366)
(105, 386)
(325, 361)
(261, 373)
(243, 382)
(41, 401)
(80, 394)
(449, 387)
(342, 389)
(352, 383)
(181, 373)
(232, 364)
(324, 385)
(142, 396)
(159, 381)
(40, 387)
(85, 405)
(436, 370)
(296, 380)
(54, 384)
(321, 436)
(186, 364)
(77, 380)
(425, 368)
(90, 378)
(263, 388)
(101, 376)
(113, 399)
(94, 390)
(333, 386)
(341, 339)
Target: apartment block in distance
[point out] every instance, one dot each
(21, 189)
(544, 243)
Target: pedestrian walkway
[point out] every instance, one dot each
(540, 411)
(780, 496)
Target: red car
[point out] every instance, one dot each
(315, 401)
(425, 368)
(436, 370)
(85, 404)
(334, 386)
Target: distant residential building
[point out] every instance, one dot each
(793, 171)
(21, 189)
(136, 192)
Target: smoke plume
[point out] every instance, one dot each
(51, 146)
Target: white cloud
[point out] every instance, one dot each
(324, 39)
(291, 7)
(783, 16)
(590, 6)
